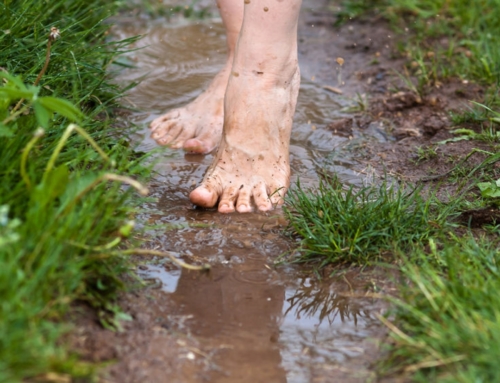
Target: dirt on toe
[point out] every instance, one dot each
(251, 319)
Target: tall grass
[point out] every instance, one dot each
(59, 213)
(449, 314)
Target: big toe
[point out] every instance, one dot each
(194, 145)
(203, 197)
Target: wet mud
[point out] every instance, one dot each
(251, 319)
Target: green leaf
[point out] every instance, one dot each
(14, 80)
(466, 132)
(54, 186)
(42, 114)
(6, 131)
(490, 189)
(63, 107)
(77, 184)
(454, 139)
(14, 94)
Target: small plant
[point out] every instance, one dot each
(360, 225)
(426, 153)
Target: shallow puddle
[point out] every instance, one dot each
(255, 321)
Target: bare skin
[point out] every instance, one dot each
(197, 128)
(252, 162)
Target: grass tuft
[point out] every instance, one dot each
(360, 225)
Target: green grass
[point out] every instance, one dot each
(62, 213)
(445, 326)
(360, 225)
(448, 38)
(443, 39)
(448, 317)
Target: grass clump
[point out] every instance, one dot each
(359, 225)
(62, 213)
(448, 316)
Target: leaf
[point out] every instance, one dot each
(78, 183)
(490, 189)
(6, 131)
(454, 139)
(13, 93)
(63, 107)
(466, 132)
(42, 114)
(57, 181)
(14, 80)
(54, 186)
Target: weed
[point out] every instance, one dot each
(426, 154)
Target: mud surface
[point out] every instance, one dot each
(249, 319)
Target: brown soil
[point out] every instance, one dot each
(181, 337)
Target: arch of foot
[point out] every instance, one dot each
(197, 127)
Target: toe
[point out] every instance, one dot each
(167, 134)
(261, 198)
(277, 194)
(229, 196)
(196, 146)
(158, 122)
(204, 142)
(203, 196)
(243, 205)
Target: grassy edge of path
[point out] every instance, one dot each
(67, 181)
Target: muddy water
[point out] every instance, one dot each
(254, 321)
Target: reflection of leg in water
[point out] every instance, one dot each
(198, 126)
(238, 317)
(252, 160)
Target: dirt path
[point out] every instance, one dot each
(250, 320)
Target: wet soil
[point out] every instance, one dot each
(251, 319)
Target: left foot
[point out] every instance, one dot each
(252, 162)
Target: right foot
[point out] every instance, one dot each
(197, 128)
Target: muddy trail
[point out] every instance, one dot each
(250, 319)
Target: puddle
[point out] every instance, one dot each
(255, 322)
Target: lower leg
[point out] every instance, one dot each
(197, 127)
(252, 160)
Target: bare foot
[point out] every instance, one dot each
(197, 128)
(252, 162)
